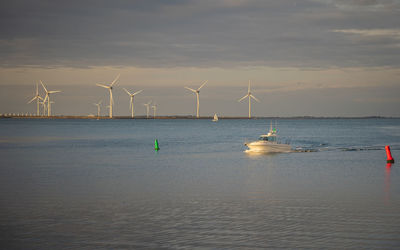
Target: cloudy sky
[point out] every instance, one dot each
(303, 57)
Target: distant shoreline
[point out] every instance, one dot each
(183, 117)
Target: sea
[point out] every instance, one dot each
(99, 184)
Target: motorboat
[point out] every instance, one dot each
(268, 144)
(215, 118)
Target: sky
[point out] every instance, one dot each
(303, 57)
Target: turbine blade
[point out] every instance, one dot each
(45, 98)
(101, 85)
(191, 89)
(242, 98)
(54, 91)
(43, 85)
(252, 96)
(137, 92)
(248, 90)
(202, 85)
(127, 91)
(115, 80)
(32, 99)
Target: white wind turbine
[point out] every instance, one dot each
(197, 92)
(37, 98)
(98, 108)
(47, 98)
(132, 99)
(154, 110)
(109, 87)
(147, 108)
(249, 95)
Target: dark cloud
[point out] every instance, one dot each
(359, 2)
(196, 33)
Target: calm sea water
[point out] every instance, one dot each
(100, 185)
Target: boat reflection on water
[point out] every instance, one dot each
(268, 144)
(253, 153)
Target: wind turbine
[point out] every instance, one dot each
(249, 95)
(131, 103)
(197, 92)
(109, 87)
(154, 109)
(147, 108)
(37, 98)
(47, 97)
(98, 108)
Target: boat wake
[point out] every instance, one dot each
(341, 148)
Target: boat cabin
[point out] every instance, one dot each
(270, 137)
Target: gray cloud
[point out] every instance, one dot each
(368, 3)
(197, 33)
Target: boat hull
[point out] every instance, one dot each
(268, 147)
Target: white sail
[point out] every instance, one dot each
(215, 118)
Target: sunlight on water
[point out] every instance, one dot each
(100, 184)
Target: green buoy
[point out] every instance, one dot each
(156, 147)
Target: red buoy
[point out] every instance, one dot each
(389, 155)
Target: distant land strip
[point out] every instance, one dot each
(7, 116)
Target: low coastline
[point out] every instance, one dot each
(172, 117)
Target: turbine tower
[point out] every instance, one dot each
(52, 102)
(43, 107)
(154, 110)
(47, 98)
(110, 87)
(131, 102)
(37, 98)
(197, 92)
(147, 108)
(249, 95)
(98, 108)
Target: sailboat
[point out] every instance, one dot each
(215, 118)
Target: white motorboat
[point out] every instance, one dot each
(215, 118)
(268, 144)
